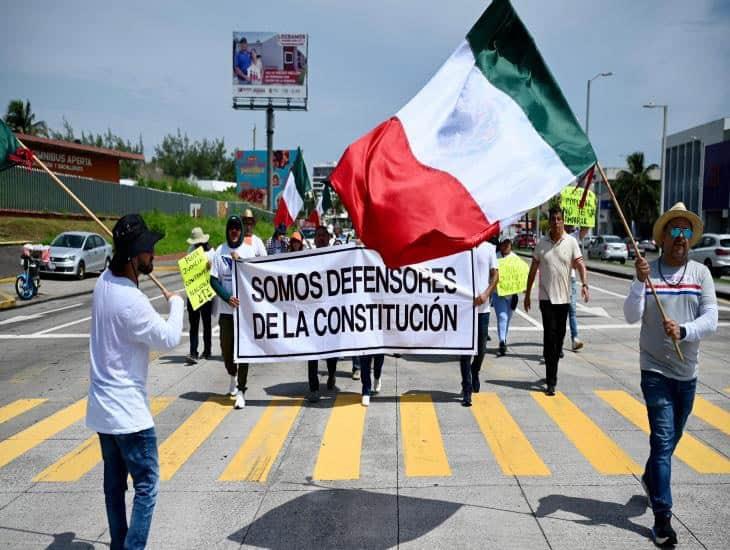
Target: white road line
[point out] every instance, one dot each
(69, 335)
(529, 319)
(38, 315)
(595, 311)
(609, 292)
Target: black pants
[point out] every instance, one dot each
(313, 375)
(203, 313)
(225, 322)
(554, 317)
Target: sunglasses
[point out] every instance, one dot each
(686, 232)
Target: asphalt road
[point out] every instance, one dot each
(414, 469)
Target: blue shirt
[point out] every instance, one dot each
(243, 61)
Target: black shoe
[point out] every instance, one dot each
(206, 355)
(313, 396)
(664, 535)
(489, 338)
(475, 383)
(550, 390)
(331, 382)
(502, 349)
(466, 401)
(191, 359)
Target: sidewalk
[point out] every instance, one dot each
(54, 287)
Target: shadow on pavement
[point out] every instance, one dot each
(527, 385)
(67, 541)
(431, 358)
(343, 518)
(597, 512)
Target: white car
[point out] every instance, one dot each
(713, 250)
(608, 247)
(76, 252)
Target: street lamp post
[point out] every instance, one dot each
(588, 115)
(662, 170)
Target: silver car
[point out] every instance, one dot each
(713, 250)
(608, 247)
(76, 252)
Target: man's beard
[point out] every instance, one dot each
(145, 268)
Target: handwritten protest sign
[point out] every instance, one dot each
(195, 276)
(569, 200)
(512, 275)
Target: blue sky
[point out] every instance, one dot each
(152, 67)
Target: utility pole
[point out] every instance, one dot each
(254, 138)
(269, 157)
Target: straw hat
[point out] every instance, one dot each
(247, 215)
(679, 210)
(296, 236)
(197, 236)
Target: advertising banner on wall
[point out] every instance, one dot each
(269, 65)
(251, 173)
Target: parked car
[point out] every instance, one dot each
(713, 250)
(76, 252)
(648, 245)
(525, 240)
(588, 241)
(630, 249)
(608, 247)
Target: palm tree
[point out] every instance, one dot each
(636, 192)
(21, 119)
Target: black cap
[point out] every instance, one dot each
(132, 237)
(280, 229)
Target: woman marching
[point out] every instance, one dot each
(504, 305)
(204, 313)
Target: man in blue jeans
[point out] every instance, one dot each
(124, 328)
(486, 279)
(687, 293)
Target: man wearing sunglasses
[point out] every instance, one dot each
(687, 293)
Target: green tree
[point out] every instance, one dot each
(21, 118)
(636, 192)
(180, 157)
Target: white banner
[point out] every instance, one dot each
(342, 301)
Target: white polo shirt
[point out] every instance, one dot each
(556, 261)
(485, 259)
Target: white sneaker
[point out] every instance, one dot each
(233, 386)
(577, 344)
(377, 385)
(365, 400)
(240, 401)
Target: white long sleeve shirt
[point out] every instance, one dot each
(124, 328)
(688, 297)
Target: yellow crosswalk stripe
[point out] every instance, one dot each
(16, 408)
(339, 453)
(514, 453)
(24, 441)
(690, 450)
(423, 447)
(257, 455)
(191, 434)
(712, 414)
(593, 443)
(74, 465)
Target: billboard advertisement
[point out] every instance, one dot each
(269, 65)
(251, 173)
(716, 187)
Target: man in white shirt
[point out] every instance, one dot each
(124, 328)
(240, 244)
(487, 277)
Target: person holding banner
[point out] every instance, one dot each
(321, 239)
(221, 279)
(505, 305)
(124, 328)
(487, 277)
(198, 239)
(554, 256)
(687, 293)
(367, 389)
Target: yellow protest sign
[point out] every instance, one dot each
(572, 215)
(196, 277)
(513, 272)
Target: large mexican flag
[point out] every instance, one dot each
(489, 136)
(11, 153)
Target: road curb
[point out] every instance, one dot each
(6, 301)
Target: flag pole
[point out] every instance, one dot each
(78, 201)
(637, 252)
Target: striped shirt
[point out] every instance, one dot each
(687, 294)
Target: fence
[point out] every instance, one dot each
(34, 191)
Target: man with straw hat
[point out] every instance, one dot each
(198, 239)
(687, 293)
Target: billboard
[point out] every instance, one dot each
(251, 173)
(269, 65)
(716, 186)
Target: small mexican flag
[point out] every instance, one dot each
(291, 199)
(11, 153)
(324, 203)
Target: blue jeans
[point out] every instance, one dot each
(134, 454)
(668, 403)
(365, 362)
(503, 309)
(470, 367)
(572, 319)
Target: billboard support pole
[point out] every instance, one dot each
(269, 155)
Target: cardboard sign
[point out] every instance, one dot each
(572, 215)
(513, 272)
(196, 278)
